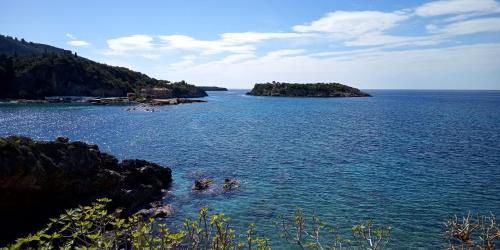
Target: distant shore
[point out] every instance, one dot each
(103, 101)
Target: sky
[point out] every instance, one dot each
(369, 44)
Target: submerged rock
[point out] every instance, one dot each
(202, 184)
(230, 184)
(39, 179)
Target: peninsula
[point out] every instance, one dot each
(34, 71)
(306, 90)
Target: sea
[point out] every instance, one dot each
(408, 159)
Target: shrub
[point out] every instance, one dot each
(93, 227)
(309, 234)
(479, 232)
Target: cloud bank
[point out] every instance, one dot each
(371, 48)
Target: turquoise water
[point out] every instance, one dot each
(409, 159)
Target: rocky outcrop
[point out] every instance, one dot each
(202, 184)
(39, 179)
(158, 209)
(229, 184)
(306, 89)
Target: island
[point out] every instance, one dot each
(306, 90)
(35, 71)
(212, 88)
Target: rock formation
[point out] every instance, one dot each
(39, 179)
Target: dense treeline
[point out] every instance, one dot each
(30, 70)
(13, 46)
(306, 89)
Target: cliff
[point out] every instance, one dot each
(306, 89)
(39, 179)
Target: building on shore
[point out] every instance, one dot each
(156, 93)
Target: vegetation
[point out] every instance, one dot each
(479, 232)
(93, 227)
(31, 71)
(305, 89)
(14, 46)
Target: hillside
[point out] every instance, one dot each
(32, 70)
(306, 89)
(13, 46)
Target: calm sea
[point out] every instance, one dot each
(409, 159)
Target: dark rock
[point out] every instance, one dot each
(202, 184)
(156, 211)
(229, 184)
(62, 139)
(39, 179)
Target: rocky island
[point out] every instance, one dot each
(212, 88)
(40, 179)
(306, 90)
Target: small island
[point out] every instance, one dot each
(211, 88)
(306, 90)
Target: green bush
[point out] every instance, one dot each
(93, 227)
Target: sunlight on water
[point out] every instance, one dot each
(406, 158)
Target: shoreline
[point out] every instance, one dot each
(104, 101)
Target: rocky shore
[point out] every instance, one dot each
(39, 179)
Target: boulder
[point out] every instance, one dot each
(156, 211)
(229, 184)
(202, 184)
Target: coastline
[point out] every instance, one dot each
(104, 101)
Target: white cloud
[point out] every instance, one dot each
(455, 67)
(182, 64)
(468, 27)
(75, 42)
(122, 45)
(284, 53)
(240, 43)
(189, 57)
(392, 41)
(151, 56)
(254, 37)
(78, 43)
(205, 47)
(450, 7)
(237, 58)
(346, 25)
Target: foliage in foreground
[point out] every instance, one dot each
(93, 227)
(479, 232)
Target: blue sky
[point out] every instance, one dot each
(443, 44)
